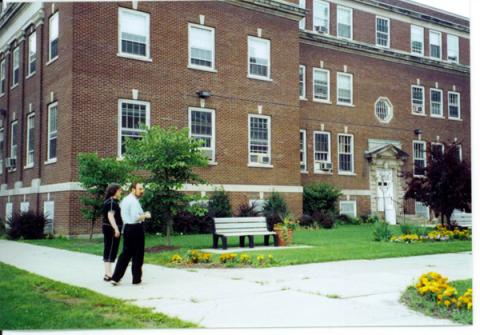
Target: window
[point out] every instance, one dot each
(321, 152)
(459, 152)
(454, 105)
(422, 210)
(14, 140)
(202, 127)
(53, 29)
(32, 53)
(3, 80)
(435, 44)
(2, 153)
(321, 16)
(201, 47)
(383, 32)
(52, 132)
(436, 149)
(416, 38)
(452, 48)
(30, 140)
(301, 23)
(348, 207)
(8, 211)
(303, 150)
(258, 205)
(419, 158)
(345, 154)
(134, 115)
(418, 100)
(302, 85)
(49, 213)
(259, 139)
(24, 206)
(16, 67)
(258, 57)
(436, 102)
(134, 33)
(344, 22)
(321, 85)
(383, 110)
(344, 88)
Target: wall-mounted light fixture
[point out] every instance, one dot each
(204, 94)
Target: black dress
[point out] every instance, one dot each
(110, 248)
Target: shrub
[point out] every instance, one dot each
(320, 197)
(371, 220)
(246, 210)
(188, 223)
(324, 219)
(307, 221)
(407, 229)
(219, 205)
(28, 225)
(2, 228)
(382, 231)
(275, 209)
(350, 220)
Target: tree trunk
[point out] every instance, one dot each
(169, 229)
(91, 227)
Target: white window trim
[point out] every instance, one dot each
(16, 50)
(2, 158)
(302, 22)
(351, 22)
(3, 65)
(390, 110)
(29, 55)
(422, 54)
(414, 158)
(195, 66)
(305, 159)
(120, 53)
(50, 59)
(423, 99)
(430, 44)
(376, 32)
(354, 202)
(119, 120)
(328, 15)
(459, 106)
(269, 72)
(458, 49)
(269, 120)
(304, 83)
(341, 172)
(441, 103)
(51, 160)
(460, 153)
(328, 100)
(29, 164)
(213, 140)
(329, 159)
(11, 143)
(351, 89)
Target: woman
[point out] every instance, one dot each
(111, 227)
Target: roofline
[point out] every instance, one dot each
(413, 2)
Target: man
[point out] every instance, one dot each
(133, 217)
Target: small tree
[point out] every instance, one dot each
(446, 185)
(169, 157)
(95, 174)
(275, 209)
(320, 197)
(219, 204)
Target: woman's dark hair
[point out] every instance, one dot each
(111, 190)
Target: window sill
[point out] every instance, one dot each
(29, 166)
(455, 119)
(2, 95)
(323, 172)
(304, 172)
(350, 174)
(12, 170)
(303, 99)
(259, 78)
(257, 165)
(128, 56)
(329, 102)
(12, 87)
(436, 116)
(30, 75)
(211, 163)
(50, 161)
(200, 68)
(51, 61)
(419, 114)
(382, 46)
(345, 104)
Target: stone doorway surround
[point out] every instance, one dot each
(385, 154)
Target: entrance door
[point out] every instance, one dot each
(385, 200)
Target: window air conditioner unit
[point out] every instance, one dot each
(260, 158)
(321, 29)
(10, 163)
(323, 166)
(208, 153)
(418, 109)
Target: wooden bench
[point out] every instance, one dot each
(461, 218)
(241, 227)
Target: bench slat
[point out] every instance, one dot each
(251, 233)
(241, 225)
(240, 219)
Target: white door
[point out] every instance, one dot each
(385, 198)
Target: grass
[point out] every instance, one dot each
(421, 304)
(29, 301)
(342, 243)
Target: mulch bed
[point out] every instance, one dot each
(161, 248)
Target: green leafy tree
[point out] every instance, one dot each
(168, 157)
(320, 197)
(219, 204)
(95, 174)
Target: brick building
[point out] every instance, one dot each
(284, 93)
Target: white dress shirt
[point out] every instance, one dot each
(130, 209)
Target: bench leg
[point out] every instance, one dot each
(250, 241)
(242, 241)
(215, 241)
(224, 242)
(266, 240)
(275, 240)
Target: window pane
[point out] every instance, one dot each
(321, 13)
(345, 151)
(202, 127)
(344, 88)
(134, 32)
(322, 147)
(53, 28)
(452, 45)
(344, 22)
(201, 46)
(259, 55)
(417, 100)
(320, 85)
(382, 31)
(417, 39)
(133, 117)
(301, 78)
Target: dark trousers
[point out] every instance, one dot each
(133, 249)
(110, 243)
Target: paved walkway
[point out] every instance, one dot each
(347, 293)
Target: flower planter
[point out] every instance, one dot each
(285, 237)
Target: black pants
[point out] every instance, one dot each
(133, 249)
(110, 243)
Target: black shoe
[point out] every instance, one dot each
(137, 282)
(114, 283)
(107, 278)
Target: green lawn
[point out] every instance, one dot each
(341, 243)
(28, 301)
(419, 303)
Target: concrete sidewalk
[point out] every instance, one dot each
(346, 293)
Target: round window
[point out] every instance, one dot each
(383, 110)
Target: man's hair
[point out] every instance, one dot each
(134, 186)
